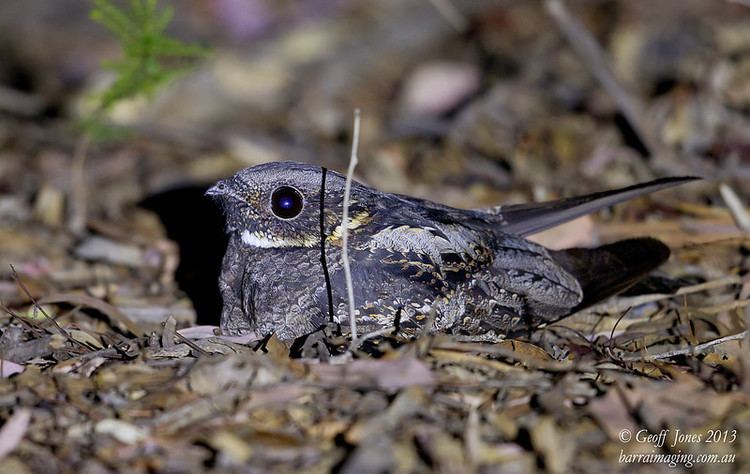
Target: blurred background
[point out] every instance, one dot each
(467, 102)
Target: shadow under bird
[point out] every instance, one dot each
(412, 260)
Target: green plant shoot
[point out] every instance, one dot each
(150, 58)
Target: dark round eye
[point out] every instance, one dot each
(286, 202)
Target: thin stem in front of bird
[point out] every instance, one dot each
(323, 260)
(345, 227)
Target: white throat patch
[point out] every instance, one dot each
(258, 240)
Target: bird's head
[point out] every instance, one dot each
(277, 205)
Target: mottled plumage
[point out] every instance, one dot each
(472, 269)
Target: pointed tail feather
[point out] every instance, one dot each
(527, 219)
(611, 269)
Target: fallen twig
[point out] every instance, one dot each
(690, 350)
(532, 362)
(36, 304)
(190, 343)
(625, 302)
(353, 160)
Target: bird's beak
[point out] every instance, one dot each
(218, 189)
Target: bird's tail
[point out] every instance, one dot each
(611, 269)
(527, 219)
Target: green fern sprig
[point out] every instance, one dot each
(150, 58)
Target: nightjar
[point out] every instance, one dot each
(412, 260)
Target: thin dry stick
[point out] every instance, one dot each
(612, 334)
(353, 160)
(37, 306)
(190, 343)
(552, 365)
(691, 350)
(323, 260)
(625, 302)
(593, 57)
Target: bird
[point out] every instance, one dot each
(413, 262)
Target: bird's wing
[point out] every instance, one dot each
(425, 245)
(429, 247)
(527, 219)
(403, 262)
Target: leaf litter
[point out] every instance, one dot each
(105, 369)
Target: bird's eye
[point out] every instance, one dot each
(286, 202)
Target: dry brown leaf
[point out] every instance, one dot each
(85, 338)
(13, 431)
(389, 375)
(526, 348)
